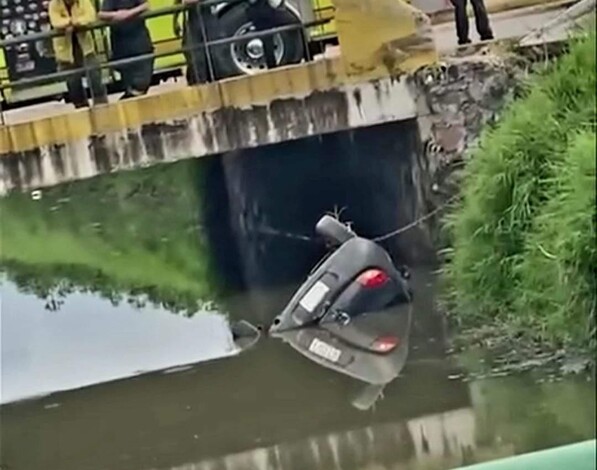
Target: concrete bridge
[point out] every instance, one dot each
(389, 69)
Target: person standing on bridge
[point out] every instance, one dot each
(74, 49)
(129, 37)
(481, 21)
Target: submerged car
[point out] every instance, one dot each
(353, 313)
(357, 277)
(372, 348)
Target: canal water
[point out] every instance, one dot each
(120, 296)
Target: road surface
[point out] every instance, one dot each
(505, 25)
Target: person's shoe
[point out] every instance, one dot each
(487, 38)
(132, 94)
(464, 42)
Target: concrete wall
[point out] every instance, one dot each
(210, 132)
(454, 105)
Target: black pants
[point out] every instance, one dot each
(481, 20)
(197, 60)
(263, 18)
(74, 82)
(136, 77)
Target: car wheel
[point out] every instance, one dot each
(247, 57)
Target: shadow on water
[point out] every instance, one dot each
(145, 271)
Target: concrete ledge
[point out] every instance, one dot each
(563, 25)
(241, 92)
(135, 134)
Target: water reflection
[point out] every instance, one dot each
(269, 398)
(347, 348)
(129, 236)
(89, 341)
(430, 441)
(271, 409)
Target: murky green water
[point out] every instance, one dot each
(118, 296)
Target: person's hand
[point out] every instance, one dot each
(121, 15)
(177, 28)
(68, 27)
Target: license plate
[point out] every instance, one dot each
(25, 66)
(313, 298)
(325, 350)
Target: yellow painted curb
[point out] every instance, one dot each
(240, 92)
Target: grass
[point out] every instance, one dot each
(556, 290)
(523, 234)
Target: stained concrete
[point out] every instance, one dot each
(210, 132)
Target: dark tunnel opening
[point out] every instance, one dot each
(262, 202)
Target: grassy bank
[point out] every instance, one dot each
(523, 236)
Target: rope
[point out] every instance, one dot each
(306, 238)
(278, 233)
(415, 222)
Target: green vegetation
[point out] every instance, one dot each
(132, 234)
(527, 416)
(523, 236)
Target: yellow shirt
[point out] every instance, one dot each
(82, 13)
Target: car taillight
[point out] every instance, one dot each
(373, 278)
(385, 344)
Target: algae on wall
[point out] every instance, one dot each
(523, 235)
(131, 234)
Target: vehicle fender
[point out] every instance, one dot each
(222, 8)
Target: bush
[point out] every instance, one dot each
(510, 189)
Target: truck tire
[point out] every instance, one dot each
(333, 230)
(234, 59)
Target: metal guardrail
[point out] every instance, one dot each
(28, 38)
(142, 57)
(195, 44)
(579, 456)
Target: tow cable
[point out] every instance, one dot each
(306, 238)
